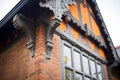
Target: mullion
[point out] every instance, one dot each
(103, 72)
(73, 62)
(96, 69)
(82, 66)
(81, 61)
(89, 64)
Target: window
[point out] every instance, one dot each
(99, 71)
(67, 56)
(93, 68)
(85, 65)
(69, 74)
(79, 65)
(78, 76)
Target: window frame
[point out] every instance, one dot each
(72, 68)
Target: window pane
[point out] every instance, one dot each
(67, 56)
(93, 68)
(69, 74)
(85, 65)
(77, 64)
(78, 77)
(86, 78)
(99, 72)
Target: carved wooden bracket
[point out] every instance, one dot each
(53, 24)
(28, 26)
(58, 7)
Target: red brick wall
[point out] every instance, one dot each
(106, 72)
(16, 62)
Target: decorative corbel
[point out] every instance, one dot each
(58, 7)
(54, 23)
(28, 26)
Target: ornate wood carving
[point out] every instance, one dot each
(53, 24)
(58, 7)
(83, 29)
(28, 26)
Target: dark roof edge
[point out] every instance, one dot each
(107, 37)
(13, 12)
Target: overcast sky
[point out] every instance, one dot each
(6, 6)
(110, 10)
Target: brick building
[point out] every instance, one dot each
(56, 40)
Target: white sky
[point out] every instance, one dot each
(6, 6)
(110, 10)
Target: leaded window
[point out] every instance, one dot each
(79, 65)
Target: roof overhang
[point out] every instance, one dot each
(16, 9)
(103, 28)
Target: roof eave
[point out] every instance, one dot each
(13, 12)
(104, 30)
